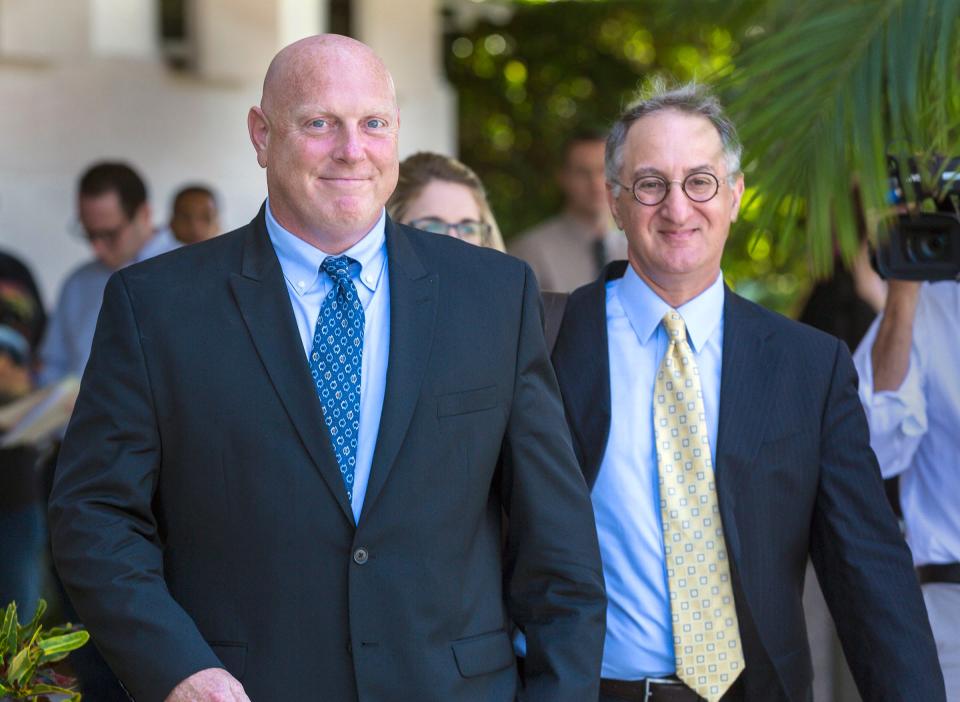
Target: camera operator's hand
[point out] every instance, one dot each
(891, 349)
(870, 287)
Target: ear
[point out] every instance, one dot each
(259, 129)
(737, 197)
(144, 215)
(614, 203)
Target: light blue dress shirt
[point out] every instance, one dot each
(626, 500)
(308, 286)
(66, 345)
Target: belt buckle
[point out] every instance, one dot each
(648, 690)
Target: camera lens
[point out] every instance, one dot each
(927, 247)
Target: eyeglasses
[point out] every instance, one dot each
(652, 190)
(108, 236)
(469, 229)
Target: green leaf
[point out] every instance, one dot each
(44, 689)
(28, 631)
(22, 666)
(55, 648)
(8, 631)
(832, 88)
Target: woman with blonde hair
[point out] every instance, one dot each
(440, 194)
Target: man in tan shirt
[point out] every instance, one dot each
(568, 250)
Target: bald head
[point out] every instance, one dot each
(309, 61)
(326, 132)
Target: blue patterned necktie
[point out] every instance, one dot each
(335, 363)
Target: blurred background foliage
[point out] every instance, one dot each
(558, 67)
(822, 85)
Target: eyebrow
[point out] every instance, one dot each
(648, 170)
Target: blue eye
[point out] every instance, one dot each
(376, 123)
(319, 123)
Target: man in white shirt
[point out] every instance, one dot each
(114, 217)
(910, 387)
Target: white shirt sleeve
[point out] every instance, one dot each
(897, 418)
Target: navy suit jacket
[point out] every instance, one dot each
(199, 518)
(795, 478)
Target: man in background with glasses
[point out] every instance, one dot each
(114, 217)
(723, 445)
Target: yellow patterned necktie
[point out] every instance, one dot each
(706, 637)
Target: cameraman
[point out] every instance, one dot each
(910, 388)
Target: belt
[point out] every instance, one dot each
(939, 573)
(648, 690)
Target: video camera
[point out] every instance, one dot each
(923, 245)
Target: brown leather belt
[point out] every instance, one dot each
(939, 573)
(648, 690)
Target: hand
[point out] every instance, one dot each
(210, 685)
(870, 287)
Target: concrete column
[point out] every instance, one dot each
(407, 35)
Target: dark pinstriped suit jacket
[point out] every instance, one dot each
(795, 477)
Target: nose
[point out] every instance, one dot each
(349, 149)
(676, 206)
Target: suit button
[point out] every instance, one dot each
(360, 556)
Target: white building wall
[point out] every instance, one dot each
(77, 91)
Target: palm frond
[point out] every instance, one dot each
(822, 100)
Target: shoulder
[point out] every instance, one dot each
(206, 258)
(587, 299)
(541, 234)
(939, 302)
(795, 338)
(460, 260)
(91, 273)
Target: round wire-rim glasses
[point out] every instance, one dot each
(651, 190)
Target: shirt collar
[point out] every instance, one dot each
(300, 261)
(645, 309)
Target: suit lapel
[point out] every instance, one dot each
(746, 398)
(261, 294)
(583, 371)
(413, 308)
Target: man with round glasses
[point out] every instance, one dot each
(723, 446)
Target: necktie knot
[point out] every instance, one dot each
(337, 267)
(676, 329)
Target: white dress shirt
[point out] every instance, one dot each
(915, 430)
(307, 286)
(625, 497)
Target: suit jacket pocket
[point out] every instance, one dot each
(483, 654)
(233, 655)
(467, 401)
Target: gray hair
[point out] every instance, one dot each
(690, 98)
